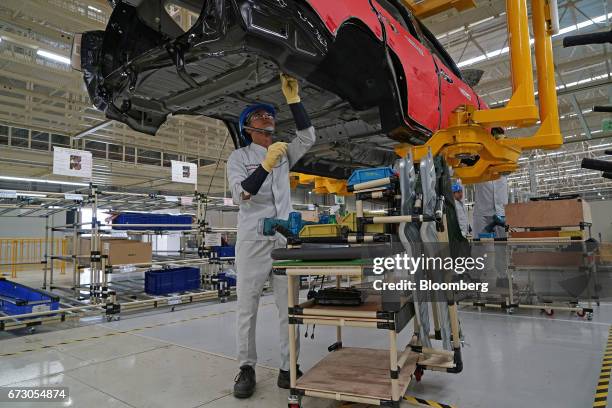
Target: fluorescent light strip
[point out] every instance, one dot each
(53, 57)
(92, 8)
(505, 50)
(67, 183)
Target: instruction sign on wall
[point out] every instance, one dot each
(184, 172)
(71, 162)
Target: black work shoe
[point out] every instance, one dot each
(245, 382)
(284, 380)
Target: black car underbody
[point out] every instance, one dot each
(144, 67)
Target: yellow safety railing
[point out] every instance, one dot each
(19, 254)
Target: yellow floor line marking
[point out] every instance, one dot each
(601, 391)
(425, 403)
(118, 332)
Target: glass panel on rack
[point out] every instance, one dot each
(40, 140)
(115, 152)
(149, 157)
(97, 149)
(4, 130)
(168, 157)
(19, 137)
(60, 140)
(130, 154)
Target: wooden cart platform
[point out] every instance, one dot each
(356, 372)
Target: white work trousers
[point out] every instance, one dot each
(254, 267)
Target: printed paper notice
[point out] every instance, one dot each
(184, 172)
(71, 162)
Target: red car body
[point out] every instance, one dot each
(368, 69)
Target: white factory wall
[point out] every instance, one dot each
(28, 227)
(601, 212)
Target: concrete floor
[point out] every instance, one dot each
(185, 359)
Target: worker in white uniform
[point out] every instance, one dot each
(258, 176)
(490, 200)
(462, 216)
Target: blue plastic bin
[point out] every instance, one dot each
(364, 175)
(228, 251)
(165, 281)
(144, 218)
(16, 298)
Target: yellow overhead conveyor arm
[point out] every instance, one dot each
(468, 133)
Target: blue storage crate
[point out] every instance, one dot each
(228, 251)
(122, 221)
(16, 298)
(364, 175)
(165, 281)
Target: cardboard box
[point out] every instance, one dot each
(120, 251)
(310, 215)
(548, 213)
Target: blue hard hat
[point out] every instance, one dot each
(457, 187)
(246, 114)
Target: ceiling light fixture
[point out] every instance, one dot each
(67, 183)
(505, 50)
(53, 57)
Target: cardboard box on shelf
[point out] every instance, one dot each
(120, 251)
(548, 213)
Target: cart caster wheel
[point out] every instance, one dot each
(510, 310)
(581, 313)
(109, 318)
(31, 330)
(418, 374)
(589, 316)
(549, 312)
(294, 401)
(172, 309)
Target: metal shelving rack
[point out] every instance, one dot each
(101, 295)
(511, 297)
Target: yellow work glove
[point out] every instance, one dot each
(275, 152)
(290, 88)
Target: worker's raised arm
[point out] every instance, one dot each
(305, 133)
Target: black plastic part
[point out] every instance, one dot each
(385, 325)
(458, 362)
(438, 334)
(296, 310)
(336, 346)
(394, 374)
(586, 39)
(296, 320)
(300, 116)
(416, 349)
(594, 164)
(295, 391)
(389, 403)
(279, 272)
(402, 317)
(253, 183)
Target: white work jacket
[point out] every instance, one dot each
(274, 197)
